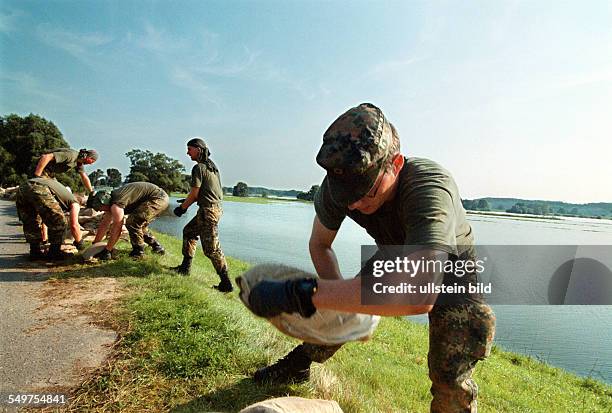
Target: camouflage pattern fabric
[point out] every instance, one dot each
(459, 337)
(37, 205)
(204, 225)
(355, 147)
(137, 223)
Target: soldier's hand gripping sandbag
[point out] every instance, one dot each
(288, 306)
(271, 298)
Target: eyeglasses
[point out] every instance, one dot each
(374, 190)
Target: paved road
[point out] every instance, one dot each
(45, 341)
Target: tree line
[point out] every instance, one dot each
(24, 139)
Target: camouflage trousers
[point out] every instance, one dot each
(459, 337)
(137, 223)
(204, 225)
(37, 205)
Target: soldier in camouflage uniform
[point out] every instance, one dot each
(206, 190)
(44, 201)
(144, 202)
(399, 201)
(64, 159)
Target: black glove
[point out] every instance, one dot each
(178, 211)
(80, 245)
(180, 201)
(103, 255)
(271, 298)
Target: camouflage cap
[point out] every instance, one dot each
(98, 199)
(355, 147)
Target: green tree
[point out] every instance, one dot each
(22, 142)
(156, 168)
(113, 177)
(240, 189)
(97, 177)
(308, 196)
(468, 204)
(483, 205)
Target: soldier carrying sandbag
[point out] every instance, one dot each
(144, 202)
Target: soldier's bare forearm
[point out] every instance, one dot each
(191, 198)
(42, 163)
(75, 228)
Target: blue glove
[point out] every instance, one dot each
(178, 211)
(271, 298)
(103, 255)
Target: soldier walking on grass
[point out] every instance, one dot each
(144, 202)
(44, 201)
(64, 159)
(206, 190)
(398, 201)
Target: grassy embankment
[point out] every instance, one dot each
(186, 347)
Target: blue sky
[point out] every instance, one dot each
(514, 98)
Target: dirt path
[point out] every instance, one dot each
(49, 337)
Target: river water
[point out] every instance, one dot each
(576, 338)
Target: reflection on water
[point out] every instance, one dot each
(573, 337)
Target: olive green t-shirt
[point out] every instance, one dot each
(131, 195)
(211, 192)
(59, 191)
(63, 160)
(426, 210)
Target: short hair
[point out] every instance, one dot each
(394, 149)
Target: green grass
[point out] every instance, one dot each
(185, 347)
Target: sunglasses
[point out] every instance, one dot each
(374, 190)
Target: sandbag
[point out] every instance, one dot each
(326, 327)
(293, 405)
(93, 250)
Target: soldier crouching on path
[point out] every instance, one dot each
(64, 159)
(144, 202)
(44, 201)
(207, 191)
(398, 201)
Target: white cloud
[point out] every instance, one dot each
(82, 46)
(28, 85)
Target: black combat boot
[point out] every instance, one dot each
(225, 286)
(293, 368)
(185, 267)
(36, 253)
(157, 248)
(56, 253)
(137, 251)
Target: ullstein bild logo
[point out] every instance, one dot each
(498, 274)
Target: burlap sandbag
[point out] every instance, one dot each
(325, 327)
(93, 250)
(293, 405)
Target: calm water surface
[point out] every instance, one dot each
(577, 338)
